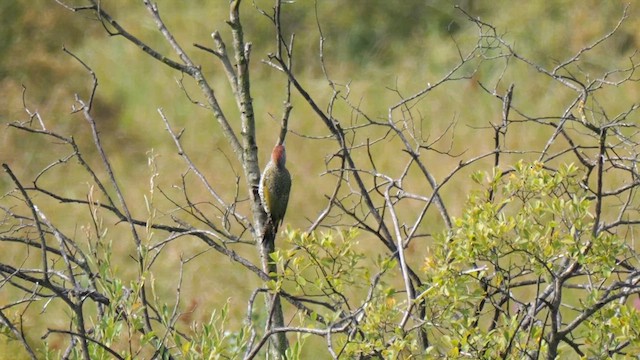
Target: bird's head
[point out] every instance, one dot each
(279, 156)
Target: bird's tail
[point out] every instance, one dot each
(269, 232)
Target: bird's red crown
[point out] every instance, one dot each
(278, 156)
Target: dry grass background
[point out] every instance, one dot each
(402, 47)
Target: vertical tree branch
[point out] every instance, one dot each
(242, 52)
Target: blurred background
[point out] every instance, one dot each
(382, 49)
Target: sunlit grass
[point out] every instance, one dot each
(132, 87)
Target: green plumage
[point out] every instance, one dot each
(275, 186)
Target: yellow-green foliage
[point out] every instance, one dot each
(344, 285)
(393, 51)
(513, 240)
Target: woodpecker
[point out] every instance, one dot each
(275, 185)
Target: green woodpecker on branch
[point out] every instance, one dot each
(275, 185)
